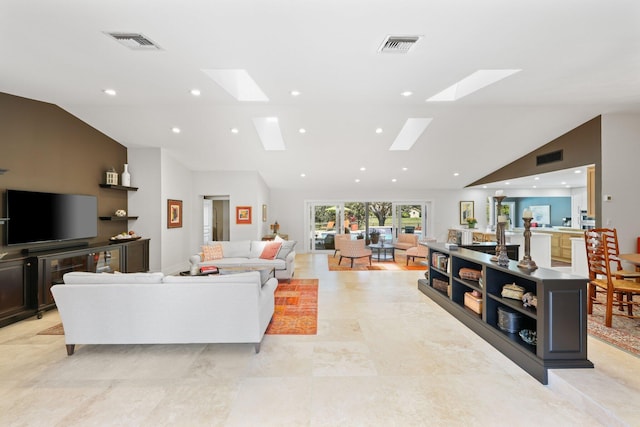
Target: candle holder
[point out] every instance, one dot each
(501, 248)
(527, 263)
(499, 240)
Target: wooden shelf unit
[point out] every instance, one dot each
(560, 319)
(119, 187)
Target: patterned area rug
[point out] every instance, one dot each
(624, 333)
(362, 264)
(296, 310)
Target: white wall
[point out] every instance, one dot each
(620, 154)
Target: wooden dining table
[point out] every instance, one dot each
(632, 258)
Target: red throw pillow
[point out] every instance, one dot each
(270, 250)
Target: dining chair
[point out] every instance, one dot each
(354, 249)
(600, 259)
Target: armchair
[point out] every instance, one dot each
(354, 249)
(406, 241)
(339, 238)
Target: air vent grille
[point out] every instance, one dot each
(134, 41)
(554, 156)
(398, 44)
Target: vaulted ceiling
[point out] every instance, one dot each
(578, 59)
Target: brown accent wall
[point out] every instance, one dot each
(47, 149)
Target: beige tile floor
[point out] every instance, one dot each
(384, 355)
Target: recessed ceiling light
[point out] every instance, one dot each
(567, 186)
(456, 174)
(405, 169)
(357, 179)
(302, 130)
(577, 171)
(484, 186)
(379, 130)
(406, 93)
(110, 92)
(175, 129)
(363, 169)
(394, 180)
(295, 93)
(410, 133)
(269, 133)
(537, 178)
(234, 130)
(472, 83)
(238, 83)
(535, 186)
(195, 92)
(507, 183)
(302, 175)
(563, 183)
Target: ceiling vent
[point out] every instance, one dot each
(134, 41)
(398, 44)
(554, 156)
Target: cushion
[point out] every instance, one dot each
(212, 252)
(257, 246)
(270, 250)
(86, 278)
(237, 248)
(286, 248)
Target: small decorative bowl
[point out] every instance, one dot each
(529, 336)
(121, 212)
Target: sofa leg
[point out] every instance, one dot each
(257, 347)
(70, 349)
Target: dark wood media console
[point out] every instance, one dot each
(26, 279)
(560, 319)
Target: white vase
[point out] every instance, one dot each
(126, 176)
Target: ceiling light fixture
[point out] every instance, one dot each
(195, 92)
(357, 179)
(175, 129)
(303, 175)
(295, 93)
(484, 186)
(537, 178)
(507, 183)
(472, 83)
(409, 134)
(302, 130)
(394, 180)
(363, 168)
(239, 84)
(577, 171)
(405, 169)
(406, 93)
(234, 130)
(378, 130)
(269, 133)
(456, 174)
(110, 92)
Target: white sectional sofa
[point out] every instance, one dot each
(150, 308)
(246, 253)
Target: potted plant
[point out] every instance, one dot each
(374, 235)
(471, 222)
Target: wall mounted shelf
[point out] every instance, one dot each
(119, 187)
(118, 218)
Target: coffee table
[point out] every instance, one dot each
(383, 251)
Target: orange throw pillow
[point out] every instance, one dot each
(212, 252)
(270, 250)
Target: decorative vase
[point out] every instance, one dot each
(126, 177)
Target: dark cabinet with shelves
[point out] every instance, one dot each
(26, 281)
(559, 320)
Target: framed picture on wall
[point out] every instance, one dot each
(466, 211)
(243, 214)
(174, 213)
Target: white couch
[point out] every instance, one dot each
(150, 308)
(246, 253)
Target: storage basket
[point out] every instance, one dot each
(473, 302)
(440, 285)
(509, 320)
(469, 274)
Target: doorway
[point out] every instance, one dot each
(215, 219)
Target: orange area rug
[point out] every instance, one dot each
(296, 311)
(362, 264)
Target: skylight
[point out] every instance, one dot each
(472, 83)
(239, 84)
(410, 133)
(268, 130)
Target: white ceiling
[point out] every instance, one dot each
(579, 59)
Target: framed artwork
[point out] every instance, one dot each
(466, 211)
(243, 214)
(264, 213)
(541, 214)
(174, 213)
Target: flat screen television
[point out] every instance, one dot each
(36, 217)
